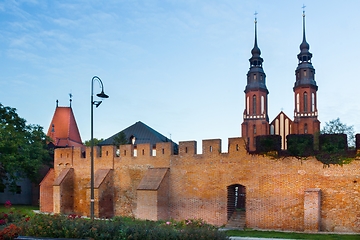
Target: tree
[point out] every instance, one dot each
(336, 127)
(23, 149)
(120, 139)
(96, 142)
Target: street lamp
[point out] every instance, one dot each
(97, 104)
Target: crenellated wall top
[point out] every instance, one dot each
(66, 156)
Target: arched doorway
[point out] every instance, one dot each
(236, 199)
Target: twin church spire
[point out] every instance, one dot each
(256, 121)
(305, 91)
(256, 75)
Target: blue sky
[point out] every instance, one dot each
(178, 66)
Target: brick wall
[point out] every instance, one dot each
(197, 184)
(46, 192)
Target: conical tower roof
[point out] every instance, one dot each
(63, 129)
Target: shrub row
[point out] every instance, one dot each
(58, 226)
(333, 148)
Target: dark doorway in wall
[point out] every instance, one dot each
(236, 199)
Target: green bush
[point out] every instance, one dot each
(333, 149)
(300, 145)
(58, 226)
(268, 143)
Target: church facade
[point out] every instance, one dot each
(153, 182)
(256, 120)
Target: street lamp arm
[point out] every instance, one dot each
(102, 94)
(97, 104)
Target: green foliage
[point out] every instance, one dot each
(268, 143)
(23, 148)
(332, 143)
(333, 149)
(337, 127)
(58, 226)
(300, 145)
(96, 142)
(120, 139)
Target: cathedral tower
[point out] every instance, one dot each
(305, 88)
(256, 120)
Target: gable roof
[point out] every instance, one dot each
(142, 134)
(281, 115)
(63, 129)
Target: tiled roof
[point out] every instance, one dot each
(63, 129)
(142, 134)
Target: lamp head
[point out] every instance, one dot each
(102, 95)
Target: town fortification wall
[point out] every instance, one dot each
(199, 185)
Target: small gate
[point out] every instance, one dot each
(236, 199)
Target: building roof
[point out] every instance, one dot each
(281, 115)
(63, 129)
(152, 179)
(142, 134)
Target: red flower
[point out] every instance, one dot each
(7, 204)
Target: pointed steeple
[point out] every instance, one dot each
(256, 74)
(305, 91)
(305, 72)
(304, 55)
(256, 50)
(256, 60)
(256, 120)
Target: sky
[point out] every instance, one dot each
(178, 66)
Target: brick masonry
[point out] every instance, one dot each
(278, 191)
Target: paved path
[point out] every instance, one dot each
(253, 238)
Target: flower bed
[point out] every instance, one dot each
(74, 226)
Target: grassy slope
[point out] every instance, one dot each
(290, 235)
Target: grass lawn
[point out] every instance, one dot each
(23, 209)
(290, 235)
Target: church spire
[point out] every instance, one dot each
(256, 74)
(256, 120)
(256, 50)
(305, 91)
(256, 60)
(304, 55)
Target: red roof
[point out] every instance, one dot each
(63, 129)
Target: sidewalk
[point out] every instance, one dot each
(253, 238)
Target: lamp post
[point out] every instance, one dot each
(97, 104)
